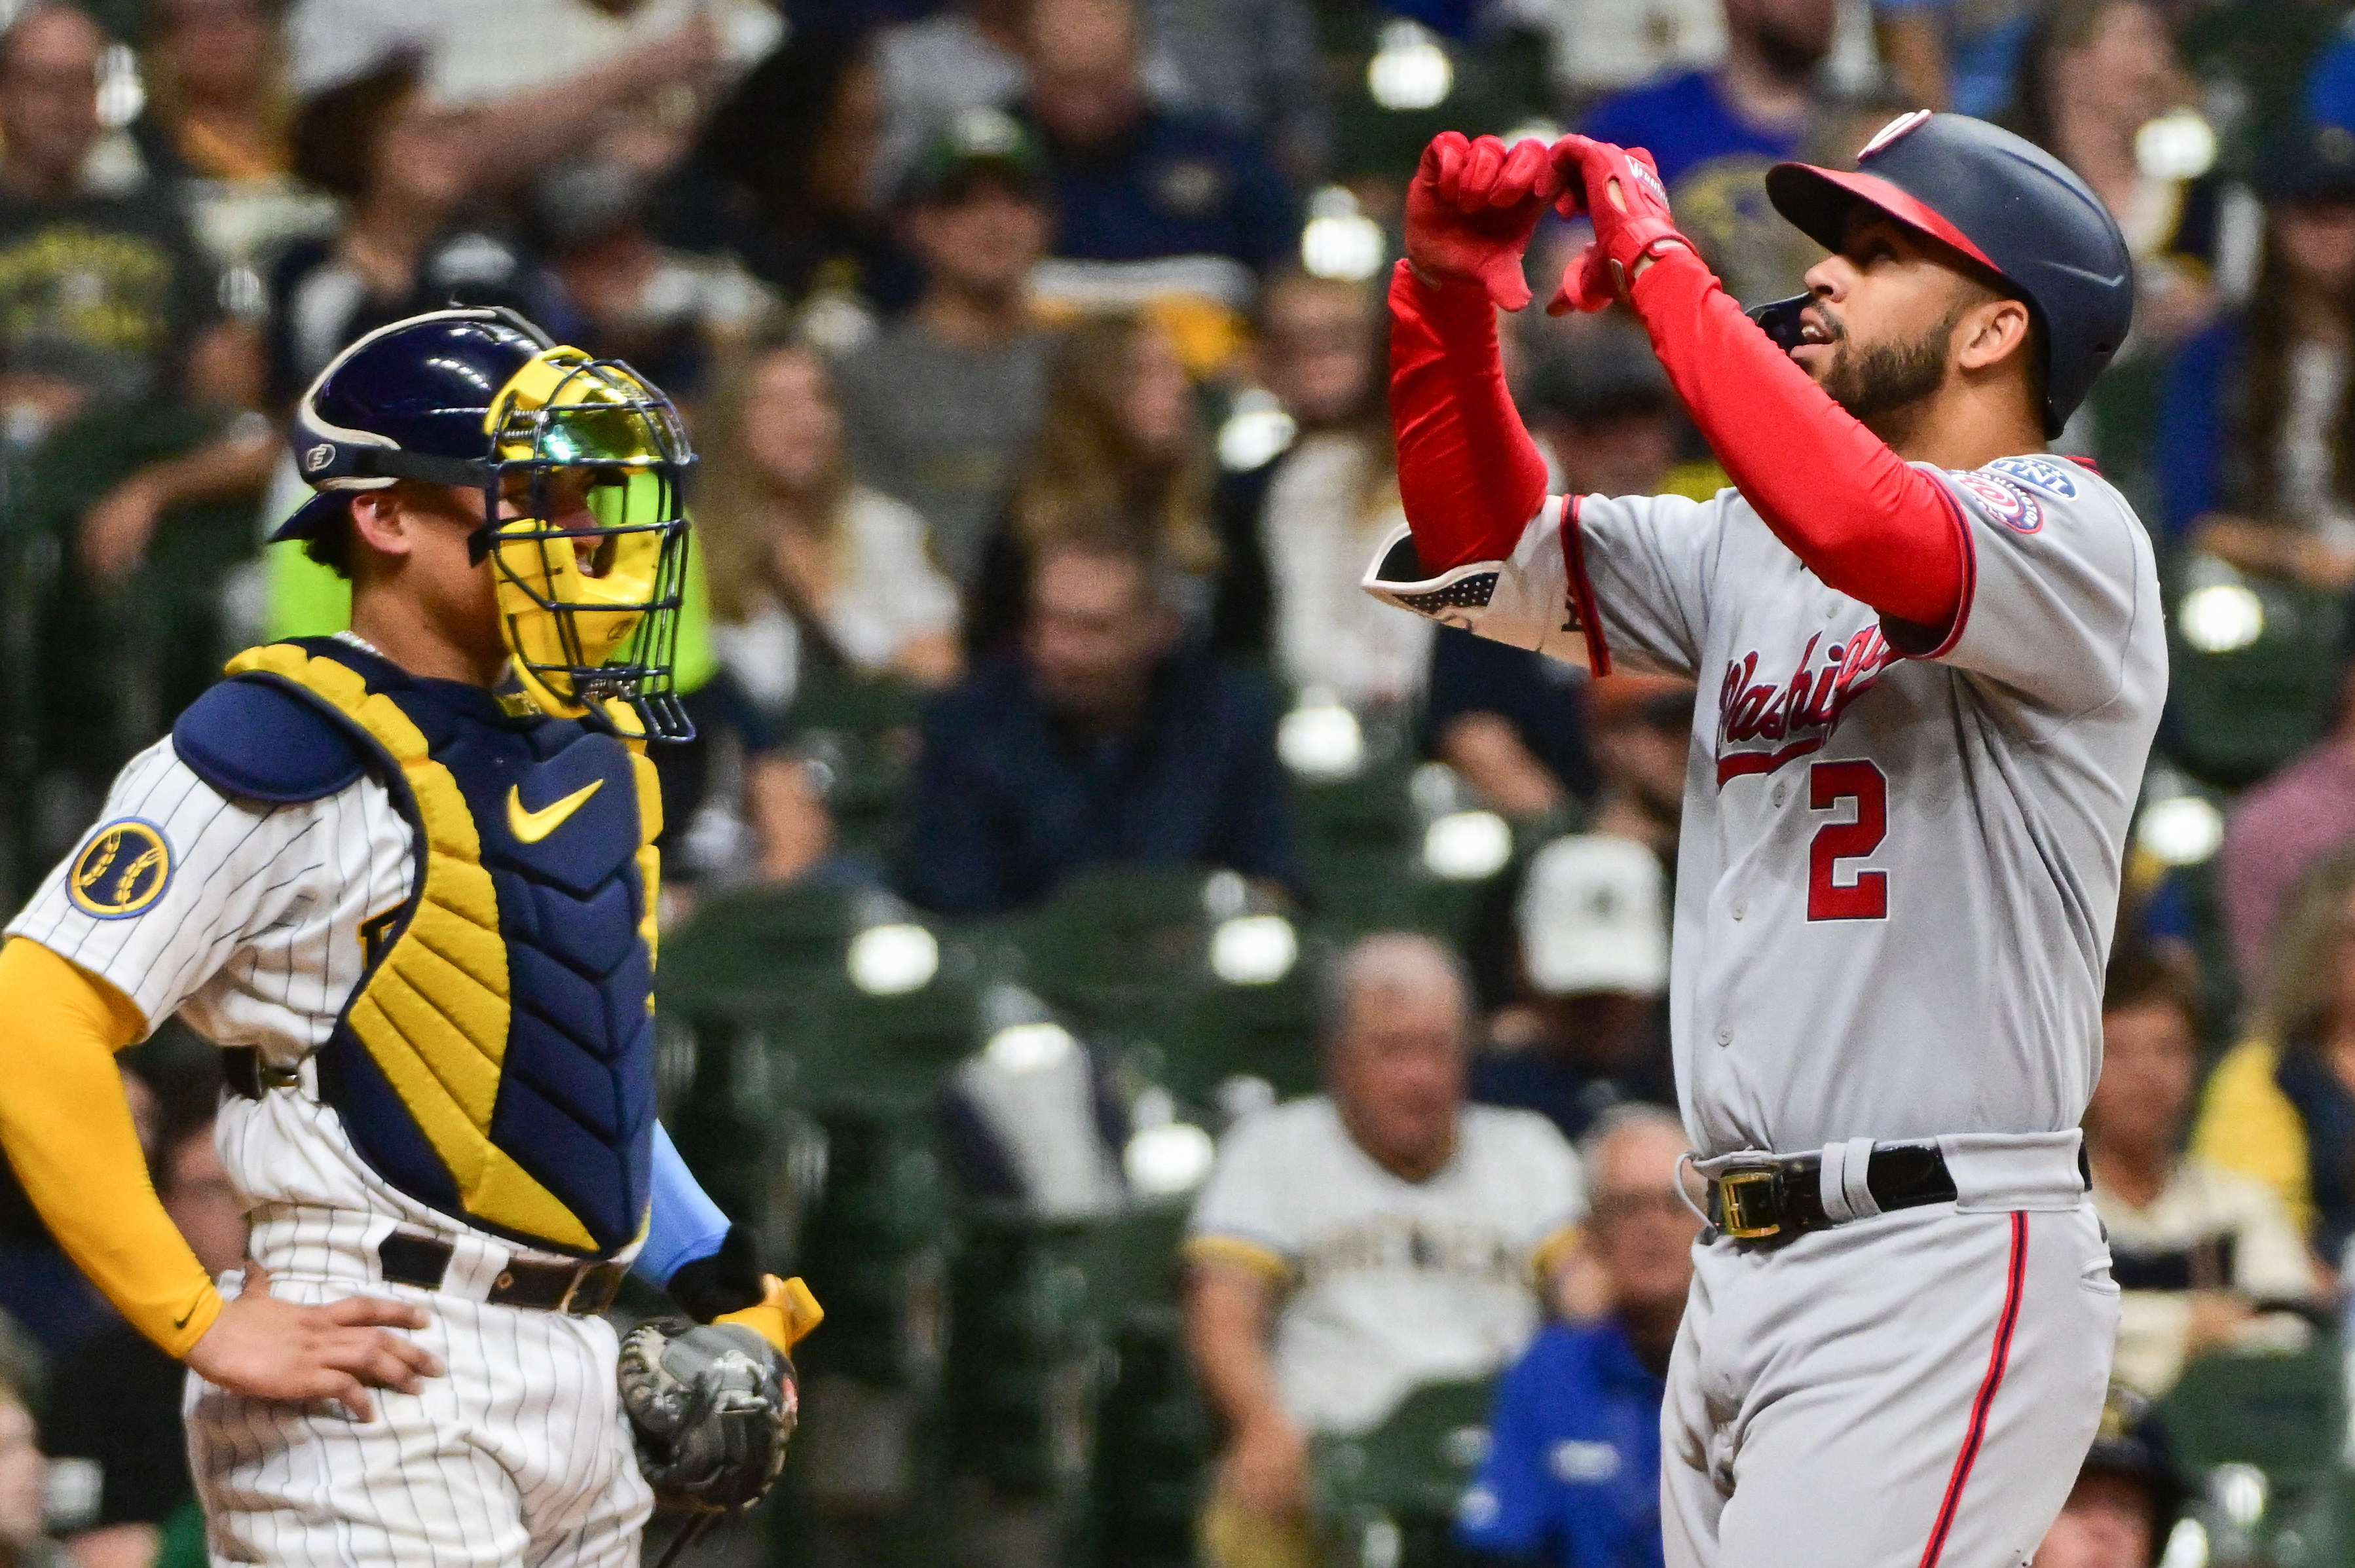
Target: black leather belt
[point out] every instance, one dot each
(582, 1289)
(246, 1074)
(1774, 1199)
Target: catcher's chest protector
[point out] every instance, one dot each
(496, 1060)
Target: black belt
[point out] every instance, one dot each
(1773, 1199)
(246, 1074)
(582, 1289)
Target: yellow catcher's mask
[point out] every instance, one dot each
(588, 544)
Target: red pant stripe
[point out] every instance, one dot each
(1996, 1358)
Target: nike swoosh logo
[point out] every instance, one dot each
(2107, 282)
(182, 1320)
(530, 827)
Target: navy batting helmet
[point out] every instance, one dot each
(2005, 203)
(581, 465)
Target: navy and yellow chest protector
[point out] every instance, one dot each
(496, 1060)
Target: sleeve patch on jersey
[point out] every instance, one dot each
(259, 741)
(122, 871)
(2042, 474)
(2007, 502)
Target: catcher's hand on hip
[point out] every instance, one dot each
(1620, 191)
(1471, 209)
(266, 1348)
(711, 1409)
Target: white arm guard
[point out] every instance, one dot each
(1525, 600)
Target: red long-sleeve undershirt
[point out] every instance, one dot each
(1469, 477)
(1862, 519)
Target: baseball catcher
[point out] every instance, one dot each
(405, 876)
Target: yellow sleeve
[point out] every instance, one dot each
(1250, 1258)
(65, 1127)
(2246, 1124)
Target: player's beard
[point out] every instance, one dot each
(1878, 382)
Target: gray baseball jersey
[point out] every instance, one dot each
(1899, 870)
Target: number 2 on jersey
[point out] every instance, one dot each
(1867, 897)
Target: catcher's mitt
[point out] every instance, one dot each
(711, 1408)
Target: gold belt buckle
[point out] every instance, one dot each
(1746, 1205)
(578, 1301)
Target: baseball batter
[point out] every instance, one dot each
(405, 876)
(1935, 658)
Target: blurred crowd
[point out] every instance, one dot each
(1034, 351)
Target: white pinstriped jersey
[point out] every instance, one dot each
(254, 941)
(1898, 876)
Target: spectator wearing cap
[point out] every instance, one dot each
(941, 405)
(1587, 1030)
(1714, 133)
(1096, 738)
(1312, 517)
(1356, 1244)
(1510, 722)
(2207, 1258)
(2129, 1493)
(934, 70)
(1572, 1473)
(1157, 207)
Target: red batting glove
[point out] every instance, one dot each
(1620, 191)
(1471, 209)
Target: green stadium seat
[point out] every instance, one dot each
(1390, 1494)
(2284, 1413)
(754, 947)
(2233, 717)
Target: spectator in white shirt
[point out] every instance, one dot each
(1332, 495)
(809, 567)
(1354, 1244)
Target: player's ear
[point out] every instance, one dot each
(382, 521)
(1990, 333)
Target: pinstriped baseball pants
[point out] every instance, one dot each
(520, 1454)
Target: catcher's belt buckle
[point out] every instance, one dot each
(601, 1282)
(1750, 1203)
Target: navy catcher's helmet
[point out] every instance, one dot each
(2005, 203)
(581, 467)
(407, 401)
